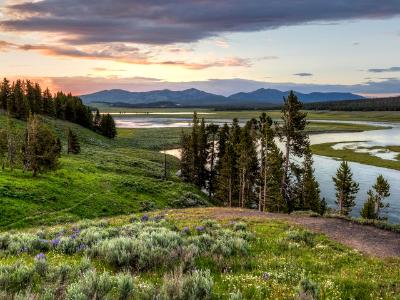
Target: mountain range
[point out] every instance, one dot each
(195, 98)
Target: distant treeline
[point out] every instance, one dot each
(375, 104)
(23, 98)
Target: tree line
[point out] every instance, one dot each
(21, 98)
(374, 104)
(244, 167)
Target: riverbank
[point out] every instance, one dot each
(368, 158)
(375, 116)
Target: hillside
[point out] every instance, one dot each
(109, 177)
(196, 98)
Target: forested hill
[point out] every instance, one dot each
(375, 104)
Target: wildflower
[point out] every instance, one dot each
(40, 256)
(81, 247)
(55, 242)
(200, 228)
(144, 218)
(186, 230)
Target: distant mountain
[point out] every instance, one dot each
(273, 96)
(194, 97)
(185, 97)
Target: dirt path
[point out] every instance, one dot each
(366, 239)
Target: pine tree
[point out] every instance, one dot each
(248, 164)
(310, 191)
(186, 157)
(201, 161)
(41, 148)
(73, 143)
(48, 104)
(382, 190)
(368, 210)
(5, 93)
(107, 126)
(97, 121)
(346, 189)
(212, 132)
(18, 106)
(291, 133)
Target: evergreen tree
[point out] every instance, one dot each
(212, 132)
(107, 126)
(48, 104)
(226, 189)
(5, 93)
(41, 148)
(382, 190)
(368, 210)
(17, 106)
(291, 133)
(346, 189)
(97, 121)
(73, 142)
(201, 161)
(186, 157)
(248, 164)
(310, 191)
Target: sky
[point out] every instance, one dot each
(223, 46)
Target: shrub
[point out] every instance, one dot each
(240, 226)
(125, 286)
(40, 264)
(301, 236)
(91, 286)
(194, 286)
(189, 200)
(308, 290)
(236, 296)
(147, 206)
(15, 278)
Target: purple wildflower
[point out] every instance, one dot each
(185, 230)
(55, 242)
(81, 247)
(40, 256)
(144, 218)
(200, 228)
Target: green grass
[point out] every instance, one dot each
(374, 116)
(286, 253)
(109, 177)
(364, 158)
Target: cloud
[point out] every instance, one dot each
(391, 69)
(303, 74)
(178, 21)
(125, 54)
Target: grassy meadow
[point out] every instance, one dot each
(109, 177)
(375, 116)
(204, 253)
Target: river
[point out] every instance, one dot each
(325, 167)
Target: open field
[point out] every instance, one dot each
(373, 116)
(247, 254)
(364, 158)
(109, 177)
